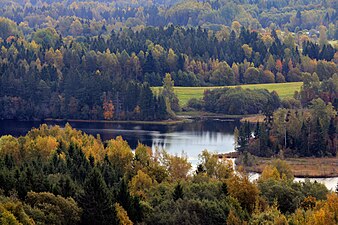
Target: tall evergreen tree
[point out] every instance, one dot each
(318, 145)
(178, 192)
(96, 201)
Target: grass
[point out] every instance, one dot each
(303, 167)
(284, 90)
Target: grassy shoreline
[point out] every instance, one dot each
(205, 115)
(253, 118)
(161, 122)
(302, 167)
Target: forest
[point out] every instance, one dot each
(119, 61)
(44, 75)
(97, 60)
(306, 125)
(64, 176)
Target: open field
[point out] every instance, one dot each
(302, 167)
(283, 89)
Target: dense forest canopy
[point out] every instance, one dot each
(63, 176)
(75, 78)
(98, 60)
(293, 15)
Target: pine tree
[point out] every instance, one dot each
(318, 146)
(130, 203)
(178, 192)
(243, 140)
(96, 201)
(168, 93)
(147, 102)
(304, 141)
(332, 135)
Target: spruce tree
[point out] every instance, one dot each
(318, 146)
(96, 201)
(178, 192)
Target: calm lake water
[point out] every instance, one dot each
(191, 138)
(215, 135)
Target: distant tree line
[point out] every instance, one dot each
(46, 75)
(84, 17)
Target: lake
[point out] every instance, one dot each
(191, 138)
(215, 135)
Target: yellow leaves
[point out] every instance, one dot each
(335, 58)
(54, 58)
(244, 191)
(322, 217)
(34, 46)
(139, 184)
(108, 109)
(236, 26)
(119, 153)
(46, 146)
(247, 50)
(9, 145)
(76, 27)
(271, 215)
(223, 34)
(324, 213)
(331, 206)
(157, 50)
(3, 51)
(270, 172)
(233, 219)
(142, 155)
(177, 166)
(93, 147)
(283, 168)
(122, 215)
(63, 138)
(215, 167)
(171, 58)
(268, 40)
(7, 218)
(12, 212)
(308, 203)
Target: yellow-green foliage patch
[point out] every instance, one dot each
(334, 43)
(284, 90)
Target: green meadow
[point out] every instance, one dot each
(284, 90)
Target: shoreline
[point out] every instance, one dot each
(160, 122)
(181, 117)
(307, 167)
(210, 115)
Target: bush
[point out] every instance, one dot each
(197, 104)
(238, 101)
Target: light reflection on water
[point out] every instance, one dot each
(191, 138)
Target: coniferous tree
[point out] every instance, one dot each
(318, 145)
(96, 201)
(178, 192)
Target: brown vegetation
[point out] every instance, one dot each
(302, 167)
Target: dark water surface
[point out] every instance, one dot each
(216, 135)
(192, 138)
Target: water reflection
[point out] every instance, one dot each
(192, 138)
